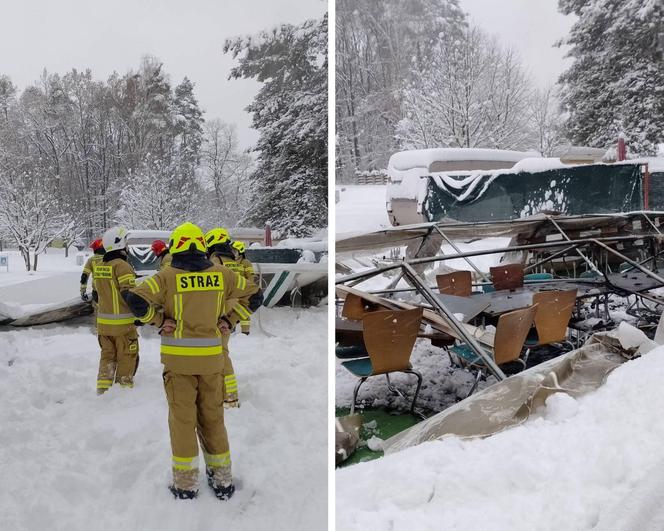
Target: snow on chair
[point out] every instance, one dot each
(389, 337)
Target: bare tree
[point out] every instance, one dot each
(473, 94)
(547, 121)
(226, 171)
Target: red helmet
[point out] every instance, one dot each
(158, 247)
(96, 244)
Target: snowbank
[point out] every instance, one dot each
(361, 208)
(73, 461)
(576, 465)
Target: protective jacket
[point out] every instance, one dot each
(165, 260)
(112, 277)
(239, 309)
(193, 292)
(88, 269)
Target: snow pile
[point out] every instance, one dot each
(575, 465)
(73, 461)
(361, 208)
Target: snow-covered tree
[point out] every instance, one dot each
(472, 93)
(289, 184)
(225, 174)
(188, 125)
(159, 197)
(547, 121)
(615, 83)
(381, 47)
(29, 214)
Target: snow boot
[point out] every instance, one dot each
(182, 494)
(220, 481)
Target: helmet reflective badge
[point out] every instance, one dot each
(115, 239)
(187, 237)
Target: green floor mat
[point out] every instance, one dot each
(379, 423)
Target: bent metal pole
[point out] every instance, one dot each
(458, 327)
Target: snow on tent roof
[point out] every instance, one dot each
(423, 158)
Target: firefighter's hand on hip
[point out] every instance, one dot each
(224, 327)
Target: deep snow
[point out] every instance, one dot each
(73, 461)
(592, 463)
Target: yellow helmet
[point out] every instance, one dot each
(239, 246)
(187, 237)
(217, 235)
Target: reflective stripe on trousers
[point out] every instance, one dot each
(185, 463)
(216, 460)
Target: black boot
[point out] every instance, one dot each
(182, 494)
(221, 492)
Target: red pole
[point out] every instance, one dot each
(268, 236)
(622, 149)
(646, 188)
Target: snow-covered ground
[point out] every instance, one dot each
(361, 208)
(73, 461)
(52, 262)
(592, 463)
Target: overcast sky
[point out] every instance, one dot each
(187, 35)
(529, 26)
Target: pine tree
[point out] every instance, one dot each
(616, 81)
(188, 124)
(289, 185)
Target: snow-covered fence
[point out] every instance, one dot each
(372, 177)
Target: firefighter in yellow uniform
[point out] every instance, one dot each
(96, 258)
(192, 292)
(116, 331)
(248, 273)
(220, 252)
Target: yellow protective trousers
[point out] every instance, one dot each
(195, 409)
(119, 360)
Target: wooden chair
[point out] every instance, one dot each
(350, 338)
(459, 283)
(389, 337)
(511, 332)
(554, 310)
(508, 276)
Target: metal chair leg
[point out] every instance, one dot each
(357, 389)
(391, 387)
(417, 391)
(478, 377)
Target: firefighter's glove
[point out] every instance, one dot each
(168, 326)
(95, 295)
(84, 295)
(224, 326)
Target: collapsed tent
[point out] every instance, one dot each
(511, 402)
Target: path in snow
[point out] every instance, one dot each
(73, 461)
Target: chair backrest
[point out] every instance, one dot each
(511, 333)
(389, 337)
(554, 310)
(508, 276)
(458, 283)
(355, 307)
(538, 276)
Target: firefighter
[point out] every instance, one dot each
(161, 252)
(88, 268)
(116, 332)
(192, 292)
(248, 272)
(220, 251)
